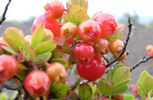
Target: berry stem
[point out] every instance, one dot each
(18, 55)
(34, 66)
(46, 63)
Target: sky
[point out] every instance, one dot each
(24, 9)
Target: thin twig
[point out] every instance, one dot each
(4, 13)
(106, 59)
(142, 60)
(125, 45)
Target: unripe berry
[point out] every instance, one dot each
(149, 48)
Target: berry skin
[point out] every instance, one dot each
(84, 52)
(55, 71)
(116, 46)
(101, 47)
(69, 30)
(8, 67)
(149, 48)
(50, 24)
(105, 99)
(107, 24)
(37, 83)
(118, 97)
(54, 9)
(92, 70)
(89, 31)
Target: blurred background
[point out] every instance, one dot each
(21, 14)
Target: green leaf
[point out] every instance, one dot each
(68, 6)
(57, 53)
(16, 35)
(37, 36)
(148, 83)
(108, 78)
(45, 47)
(121, 74)
(104, 87)
(76, 84)
(8, 49)
(122, 83)
(141, 90)
(29, 51)
(141, 93)
(10, 43)
(70, 2)
(119, 29)
(67, 18)
(116, 36)
(21, 67)
(22, 74)
(142, 76)
(114, 69)
(44, 56)
(128, 97)
(4, 96)
(120, 90)
(73, 96)
(85, 91)
(60, 60)
(59, 90)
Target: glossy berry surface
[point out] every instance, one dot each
(54, 9)
(107, 24)
(84, 52)
(92, 70)
(118, 97)
(8, 67)
(101, 47)
(89, 31)
(116, 46)
(37, 83)
(50, 24)
(55, 71)
(69, 30)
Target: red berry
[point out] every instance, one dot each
(101, 47)
(118, 97)
(84, 52)
(8, 67)
(54, 9)
(92, 70)
(37, 83)
(50, 24)
(134, 88)
(105, 99)
(55, 71)
(107, 24)
(89, 31)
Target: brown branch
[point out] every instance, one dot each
(4, 13)
(125, 45)
(142, 60)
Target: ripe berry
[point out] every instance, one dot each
(89, 31)
(105, 99)
(107, 24)
(84, 52)
(101, 47)
(55, 71)
(116, 46)
(149, 48)
(50, 24)
(69, 30)
(8, 67)
(37, 83)
(134, 88)
(54, 9)
(117, 97)
(92, 70)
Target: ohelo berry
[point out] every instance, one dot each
(89, 31)
(8, 67)
(69, 30)
(37, 83)
(101, 47)
(50, 24)
(107, 24)
(84, 52)
(118, 97)
(93, 70)
(54, 9)
(55, 71)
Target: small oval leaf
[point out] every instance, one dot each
(60, 60)
(85, 91)
(44, 47)
(104, 87)
(128, 97)
(120, 90)
(142, 76)
(122, 83)
(148, 83)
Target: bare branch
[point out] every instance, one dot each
(4, 13)
(125, 45)
(142, 60)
